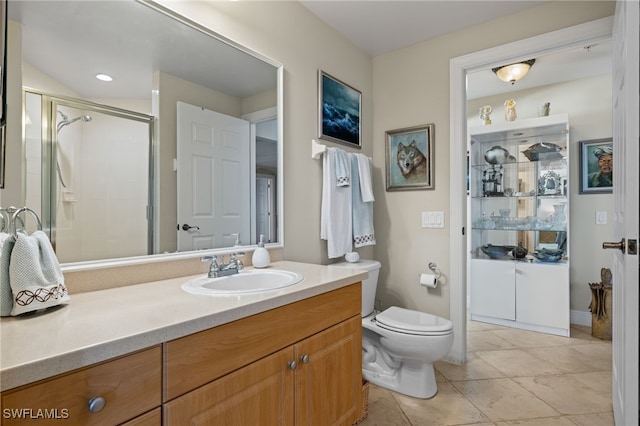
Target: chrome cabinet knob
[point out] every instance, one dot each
(304, 358)
(292, 365)
(96, 404)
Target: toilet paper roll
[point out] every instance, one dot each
(429, 280)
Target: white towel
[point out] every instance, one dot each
(6, 295)
(342, 167)
(363, 232)
(3, 237)
(35, 275)
(364, 173)
(335, 220)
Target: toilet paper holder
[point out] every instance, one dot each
(434, 267)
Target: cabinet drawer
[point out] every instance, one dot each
(130, 385)
(197, 359)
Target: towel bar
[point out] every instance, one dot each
(317, 149)
(15, 217)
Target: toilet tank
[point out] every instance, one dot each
(369, 284)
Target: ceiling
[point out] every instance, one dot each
(380, 26)
(133, 48)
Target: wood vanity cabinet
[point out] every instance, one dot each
(299, 364)
(131, 386)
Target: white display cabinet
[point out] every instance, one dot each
(519, 201)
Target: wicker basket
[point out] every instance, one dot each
(365, 402)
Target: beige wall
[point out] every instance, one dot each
(588, 104)
(411, 87)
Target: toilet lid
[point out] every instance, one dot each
(414, 322)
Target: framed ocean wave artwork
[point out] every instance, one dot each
(339, 111)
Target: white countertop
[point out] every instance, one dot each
(99, 325)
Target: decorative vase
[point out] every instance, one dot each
(559, 216)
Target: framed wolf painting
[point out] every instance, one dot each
(340, 110)
(409, 158)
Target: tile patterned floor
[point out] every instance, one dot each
(513, 377)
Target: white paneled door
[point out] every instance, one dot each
(213, 178)
(626, 138)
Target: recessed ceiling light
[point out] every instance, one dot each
(104, 77)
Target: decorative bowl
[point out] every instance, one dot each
(352, 257)
(519, 252)
(542, 151)
(496, 155)
(548, 255)
(495, 252)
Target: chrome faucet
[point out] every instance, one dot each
(222, 269)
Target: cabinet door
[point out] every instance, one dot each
(152, 418)
(493, 288)
(258, 394)
(542, 294)
(329, 376)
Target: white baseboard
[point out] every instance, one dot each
(580, 318)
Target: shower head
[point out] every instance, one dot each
(65, 120)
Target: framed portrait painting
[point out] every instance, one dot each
(409, 158)
(596, 166)
(340, 110)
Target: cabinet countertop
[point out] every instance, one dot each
(100, 325)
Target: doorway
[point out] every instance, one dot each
(517, 51)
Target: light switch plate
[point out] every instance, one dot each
(601, 218)
(433, 219)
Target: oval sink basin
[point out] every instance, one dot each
(246, 281)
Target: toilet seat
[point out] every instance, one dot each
(413, 322)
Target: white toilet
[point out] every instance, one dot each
(399, 346)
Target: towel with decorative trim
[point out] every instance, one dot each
(335, 217)
(363, 232)
(35, 276)
(342, 167)
(6, 295)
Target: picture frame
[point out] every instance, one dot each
(409, 156)
(339, 111)
(596, 166)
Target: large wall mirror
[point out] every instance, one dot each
(181, 151)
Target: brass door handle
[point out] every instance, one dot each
(622, 245)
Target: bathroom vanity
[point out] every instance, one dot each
(519, 222)
(291, 356)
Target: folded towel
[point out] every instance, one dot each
(364, 173)
(6, 295)
(35, 275)
(342, 167)
(363, 232)
(335, 220)
(3, 237)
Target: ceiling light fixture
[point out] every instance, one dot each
(104, 77)
(513, 72)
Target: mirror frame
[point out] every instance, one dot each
(164, 257)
